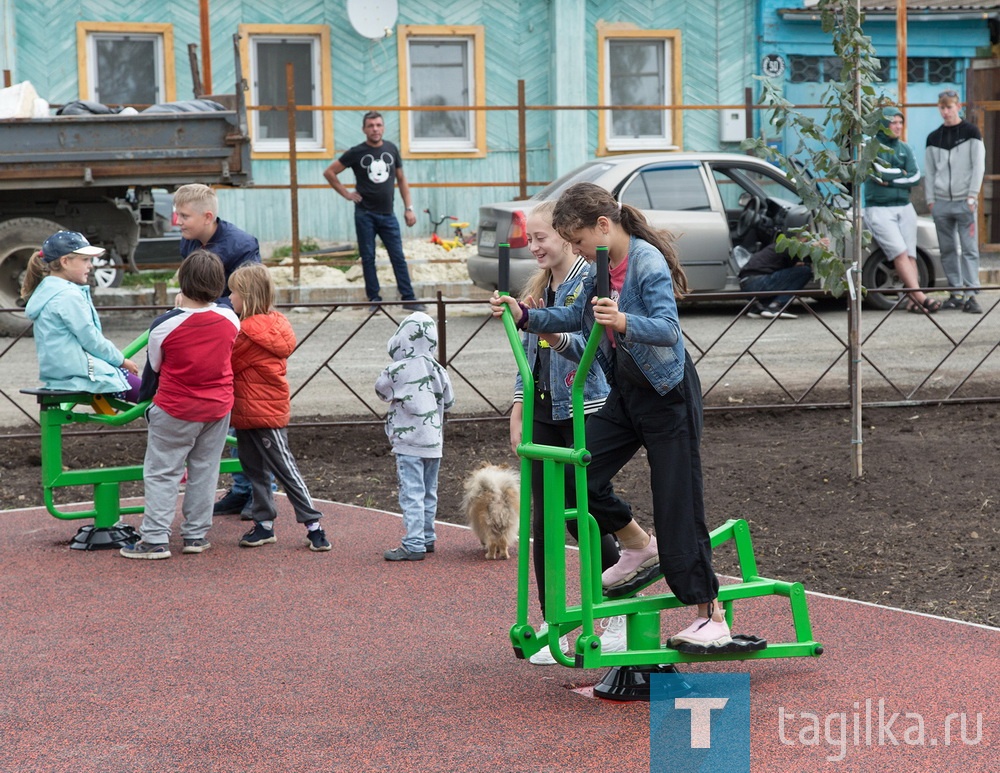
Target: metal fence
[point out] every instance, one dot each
(744, 363)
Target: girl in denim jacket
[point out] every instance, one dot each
(559, 280)
(655, 403)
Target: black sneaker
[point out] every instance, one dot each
(414, 306)
(231, 504)
(318, 541)
(756, 310)
(257, 536)
(954, 303)
(774, 310)
(429, 547)
(402, 554)
(972, 306)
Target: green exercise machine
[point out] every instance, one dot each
(59, 409)
(628, 677)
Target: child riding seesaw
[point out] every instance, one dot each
(73, 354)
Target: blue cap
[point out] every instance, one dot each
(66, 243)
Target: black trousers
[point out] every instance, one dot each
(669, 428)
(556, 434)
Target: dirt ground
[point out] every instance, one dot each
(918, 531)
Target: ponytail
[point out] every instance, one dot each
(634, 223)
(36, 271)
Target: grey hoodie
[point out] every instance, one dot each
(417, 389)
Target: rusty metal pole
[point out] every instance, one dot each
(206, 47)
(854, 307)
(522, 142)
(293, 170)
(901, 59)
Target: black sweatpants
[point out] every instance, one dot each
(261, 450)
(669, 428)
(556, 434)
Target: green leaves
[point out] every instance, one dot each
(838, 150)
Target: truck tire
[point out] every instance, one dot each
(878, 273)
(108, 271)
(19, 238)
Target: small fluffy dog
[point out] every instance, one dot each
(492, 505)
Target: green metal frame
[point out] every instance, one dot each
(642, 612)
(59, 409)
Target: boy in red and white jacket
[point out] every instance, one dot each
(189, 378)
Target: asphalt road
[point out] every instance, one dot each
(740, 360)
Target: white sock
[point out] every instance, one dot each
(312, 526)
(267, 524)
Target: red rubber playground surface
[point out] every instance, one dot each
(280, 660)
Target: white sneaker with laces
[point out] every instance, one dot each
(614, 639)
(544, 656)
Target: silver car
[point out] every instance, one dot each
(710, 201)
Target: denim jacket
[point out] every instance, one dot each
(562, 370)
(652, 332)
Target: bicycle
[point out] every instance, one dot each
(459, 239)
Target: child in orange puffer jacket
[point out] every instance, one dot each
(262, 407)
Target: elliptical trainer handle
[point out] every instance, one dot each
(603, 273)
(503, 273)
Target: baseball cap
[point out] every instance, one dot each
(66, 243)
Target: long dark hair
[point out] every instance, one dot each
(582, 204)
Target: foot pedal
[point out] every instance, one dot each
(637, 583)
(741, 642)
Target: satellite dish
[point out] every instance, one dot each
(373, 18)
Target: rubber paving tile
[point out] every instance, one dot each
(280, 660)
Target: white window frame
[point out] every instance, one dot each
(318, 36)
(672, 119)
(473, 145)
(88, 35)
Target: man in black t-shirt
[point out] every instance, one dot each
(377, 169)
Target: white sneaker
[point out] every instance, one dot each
(544, 656)
(613, 639)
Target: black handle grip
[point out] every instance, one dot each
(603, 273)
(503, 275)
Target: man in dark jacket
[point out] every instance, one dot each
(956, 161)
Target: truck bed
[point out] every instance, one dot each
(103, 151)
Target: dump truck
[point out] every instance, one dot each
(96, 174)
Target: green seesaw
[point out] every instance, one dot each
(59, 408)
(628, 678)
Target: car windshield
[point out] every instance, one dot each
(584, 174)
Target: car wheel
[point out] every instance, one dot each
(878, 273)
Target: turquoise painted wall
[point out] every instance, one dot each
(962, 39)
(718, 57)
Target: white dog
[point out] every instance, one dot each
(491, 503)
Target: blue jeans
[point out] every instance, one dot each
(418, 482)
(369, 225)
(793, 278)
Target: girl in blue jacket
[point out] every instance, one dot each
(655, 403)
(73, 353)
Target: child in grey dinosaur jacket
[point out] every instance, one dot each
(418, 391)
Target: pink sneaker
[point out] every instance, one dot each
(630, 563)
(703, 632)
